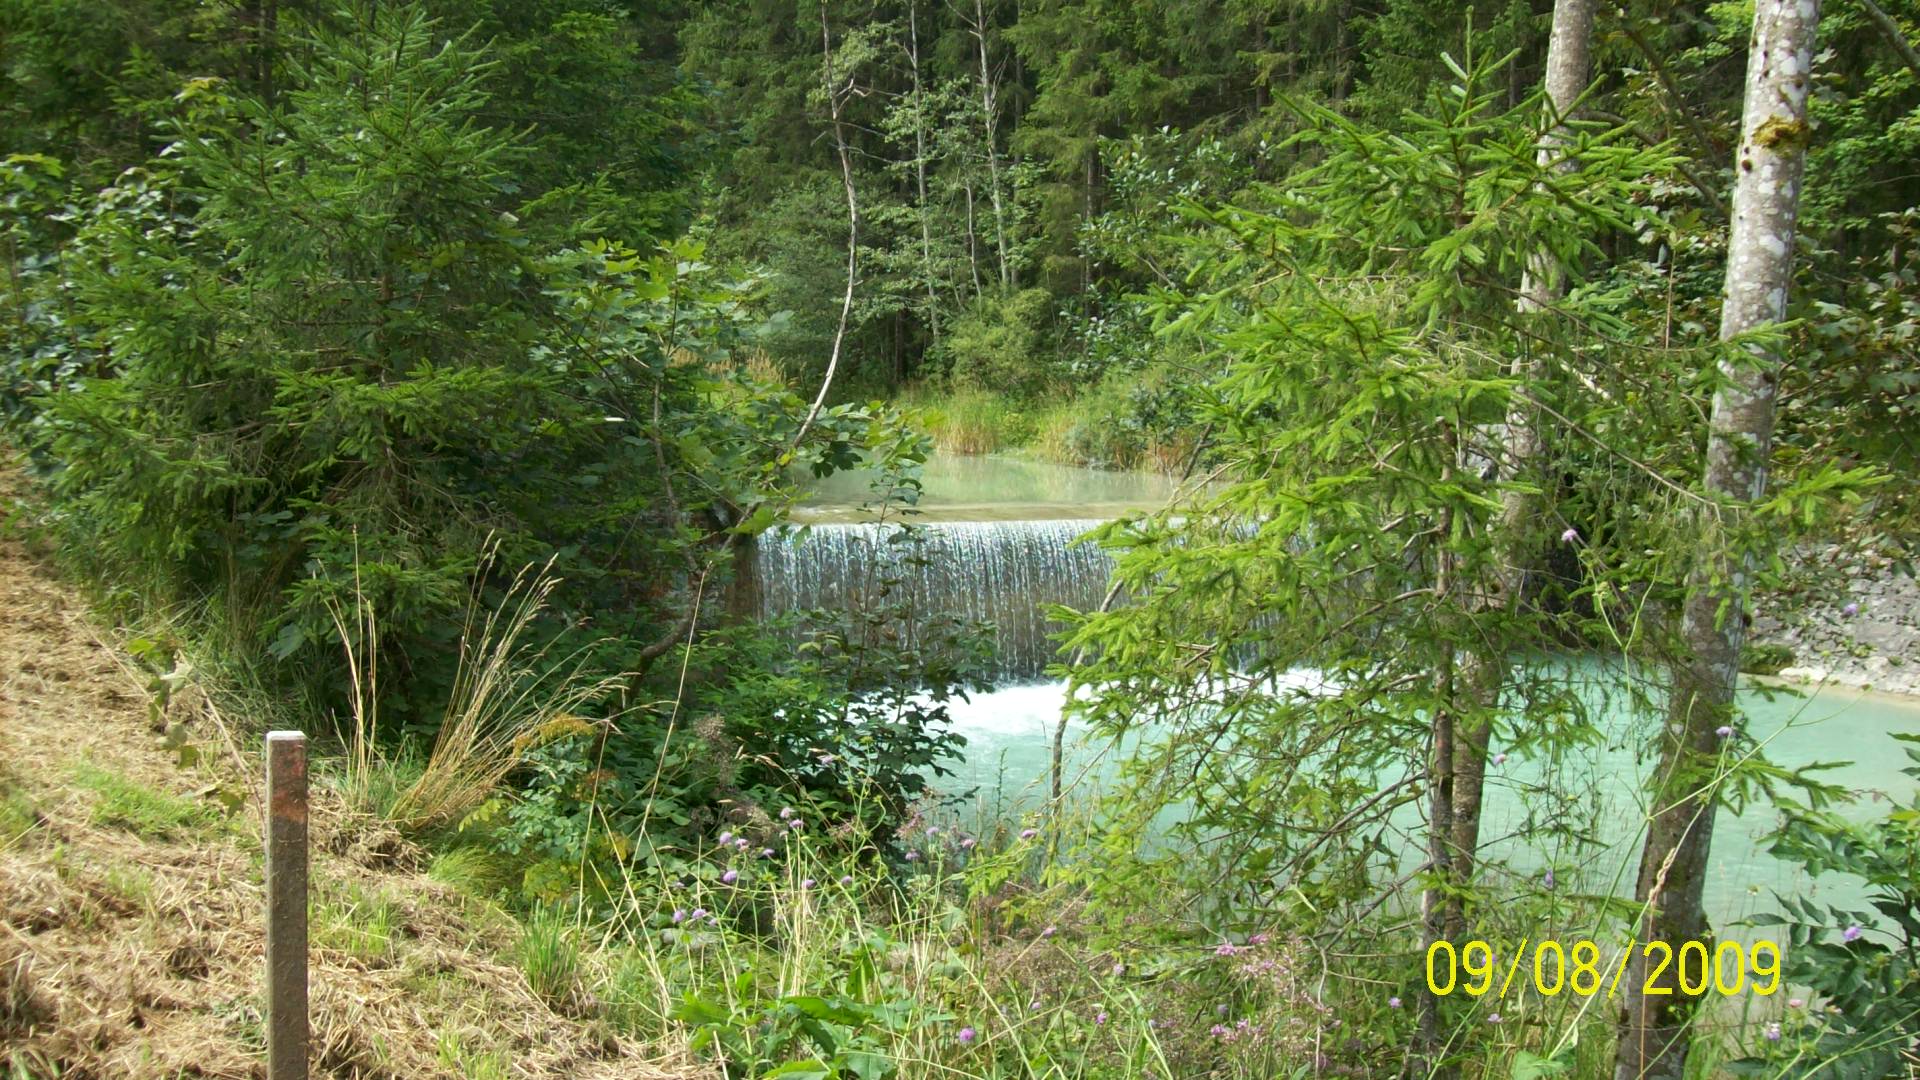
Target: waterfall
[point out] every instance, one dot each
(1003, 572)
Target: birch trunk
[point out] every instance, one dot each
(836, 101)
(990, 105)
(1518, 538)
(1655, 1032)
(920, 171)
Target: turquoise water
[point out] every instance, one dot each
(1009, 732)
(1020, 556)
(995, 488)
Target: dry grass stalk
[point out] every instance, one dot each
(507, 694)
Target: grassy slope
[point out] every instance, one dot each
(131, 906)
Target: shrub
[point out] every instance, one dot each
(1002, 344)
(1861, 967)
(335, 359)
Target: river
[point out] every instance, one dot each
(998, 542)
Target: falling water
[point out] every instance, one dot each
(1003, 572)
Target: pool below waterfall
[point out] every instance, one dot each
(1000, 539)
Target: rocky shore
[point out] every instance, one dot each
(1856, 623)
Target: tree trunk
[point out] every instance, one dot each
(920, 171)
(1518, 538)
(973, 239)
(836, 100)
(990, 105)
(1654, 1036)
(1428, 1057)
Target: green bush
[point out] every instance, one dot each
(330, 351)
(335, 360)
(1862, 967)
(1003, 344)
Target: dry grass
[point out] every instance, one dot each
(755, 363)
(507, 694)
(127, 954)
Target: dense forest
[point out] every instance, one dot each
(427, 374)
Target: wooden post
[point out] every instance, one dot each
(286, 905)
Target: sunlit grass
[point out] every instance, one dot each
(124, 803)
(354, 920)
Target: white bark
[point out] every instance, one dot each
(990, 106)
(836, 100)
(1654, 1036)
(920, 170)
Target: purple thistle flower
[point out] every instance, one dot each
(1500, 758)
(1028, 834)
(1773, 1031)
(1796, 1003)
(966, 1036)
(1226, 949)
(1049, 931)
(766, 853)
(1034, 1005)
(1548, 879)
(1119, 969)
(786, 812)
(679, 915)
(1100, 1017)
(1218, 1030)
(1260, 938)
(1570, 536)
(796, 824)
(1851, 933)
(1220, 1009)
(1724, 730)
(1393, 1003)
(1494, 1019)
(730, 877)
(1850, 610)
(726, 838)
(808, 883)
(967, 842)
(740, 842)
(933, 830)
(698, 914)
(846, 880)
(914, 855)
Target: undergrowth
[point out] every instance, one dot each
(1129, 424)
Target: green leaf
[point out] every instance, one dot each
(806, 1069)
(1530, 1066)
(288, 642)
(868, 1065)
(763, 518)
